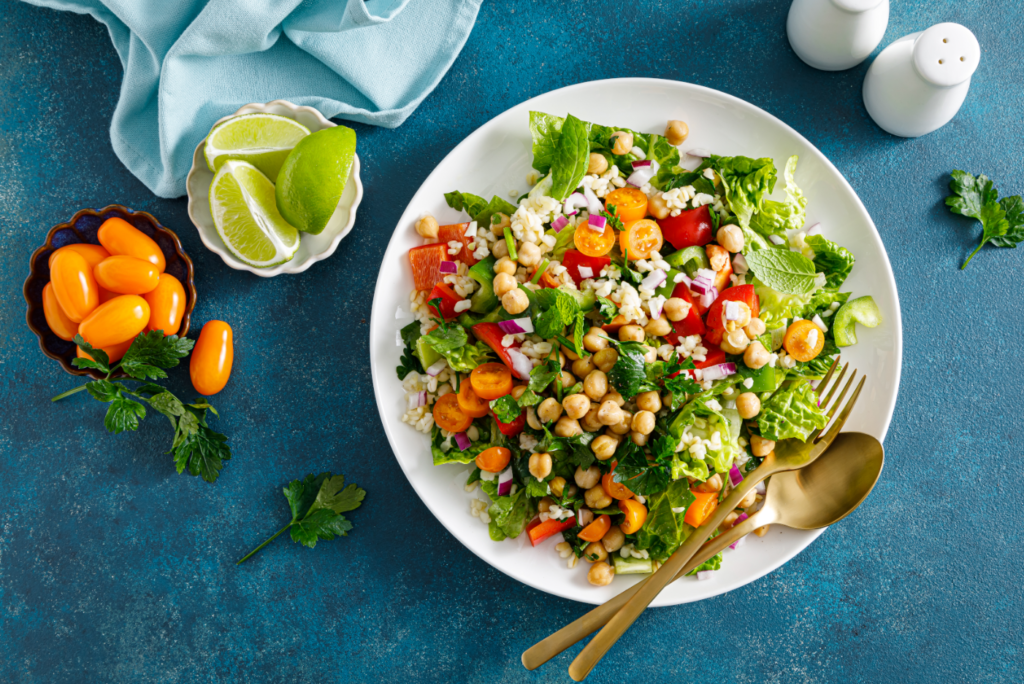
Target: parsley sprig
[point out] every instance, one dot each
(612, 214)
(1002, 220)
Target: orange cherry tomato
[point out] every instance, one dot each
(166, 305)
(471, 404)
(702, 508)
(640, 238)
(799, 343)
(93, 254)
(449, 416)
(492, 460)
(126, 275)
(74, 285)
(636, 515)
(210, 365)
(630, 203)
(119, 320)
(616, 490)
(60, 325)
(593, 243)
(114, 351)
(596, 530)
(491, 380)
(120, 237)
(107, 295)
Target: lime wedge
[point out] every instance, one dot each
(862, 310)
(244, 210)
(263, 140)
(313, 177)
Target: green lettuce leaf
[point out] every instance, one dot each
(747, 181)
(572, 152)
(791, 413)
(546, 130)
(464, 359)
(775, 218)
(509, 515)
(664, 531)
(829, 258)
(563, 242)
(453, 454)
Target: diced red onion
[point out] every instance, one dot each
(719, 371)
(520, 363)
(777, 240)
(698, 152)
(739, 264)
(654, 279)
(414, 401)
(707, 274)
(701, 285)
(594, 205)
(704, 575)
(559, 223)
(735, 476)
(436, 367)
(683, 278)
(739, 542)
(573, 202)
(741, 518)
(516, 325)
(639, 164)
(448, 267)
(462, 440)
(814, 230)
(642, 176)
(731, 311)
(505, 482)
(597, 223)
(585, 272)
(708, 298)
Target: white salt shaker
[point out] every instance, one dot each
(834, 35)
(918, 83)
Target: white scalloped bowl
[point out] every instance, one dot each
(312, 248)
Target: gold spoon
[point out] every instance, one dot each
(818, 495)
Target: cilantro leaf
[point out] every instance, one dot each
(409, 362)
(1002, 221)
(506, 409)
(1014, 208)
(612, 214)
(634, 471)
(607, 308)
(152, 352)
(104, 390)
(100, 361)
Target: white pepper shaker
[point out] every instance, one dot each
(833, 35)
(918, 83)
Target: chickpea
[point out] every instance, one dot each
(730, 237)
(605, 359)
(517, 391)
(729, 521)
(651, 355)
(623, 142)
(604, 447)
(585, 516)
(595, 385)
(500, 249)
(659, 327)
(596, 497)
(595, 552)
(427, 227)
(540, 465)
(625, 426)
(657, 206)
(676, 132)
(614, 396)
(600, 574)
(718, 257)
(515, 301)
(557, 485)
(609, 413)
(613, 539)
(506, 266)
(545, 504)
(504, 282)
(742, 321)
(639, 438)
(586, 479)
(648, 401)
(631, 333)
(756, 356)
(549, 410)
(567, 380)
(676, 309)
(499, 222)
(595, 340)
(529, 254)
(761, 446)
(582, 367)
(749, 500)
(561, 359)
(567, 427)
(569, 353)
(576, 405)
(734, 342)
(590, 422)
(597, 163)
(643, 422)
(531, 418)
(748, 405)
(755, 328)
(712, 484)
(761, 531)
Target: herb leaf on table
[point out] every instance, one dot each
(1002, 220)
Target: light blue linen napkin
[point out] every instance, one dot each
(187, 63)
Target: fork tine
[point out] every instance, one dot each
(835, 386)
(844, 414)
(823, 383)
(831, 411)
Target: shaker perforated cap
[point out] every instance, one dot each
(947, 54)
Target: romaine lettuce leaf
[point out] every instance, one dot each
(509, 515)
(747, 181)
(545, 130)
(664, 531)
(791, 413)
(572, 152)
(563, 242)
(829, 258)
(453, 454)
(478, 209)
(466, 358)
(775, 218)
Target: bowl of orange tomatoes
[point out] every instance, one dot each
(107, 275)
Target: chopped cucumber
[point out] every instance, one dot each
(425, 353)
(862, 310)
(633, 566)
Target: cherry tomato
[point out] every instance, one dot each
(491, 334)
(630, 204)
(210, 365)
(119, 320)
(640, 238)
(493, 460)
(107, 295)
(715, 320)
(594, 243)
(799, 343)
(126, 275)
(636, 515)
(120, 237)
(74, 285)
(471, 404)
(689, 228)
(60, 325)
(114, 352)
(491, 380)
(166, 305)
(511, 429)
(93, 254)
(596, 530)
(701, 509)
(616, 490)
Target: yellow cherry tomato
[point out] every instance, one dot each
(166, 305)
(640, 238)
(636, 515)
(74, 285)
(804, 340)
(594, 243)
(120, 237)
(210, 366)
(60, 325)
(93, 254)
(119, 320)
(114, 352)
(630, 203)
(492, 460)
(126, 275)
(490, 381)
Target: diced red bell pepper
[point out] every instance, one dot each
(456, 232)
(692, 324)
(539, 531)
(714, 356)
(691, 227)
(511, 429)
(491, 334)
(448, 301)
(573, 259)
(715, 321)
(426, 265)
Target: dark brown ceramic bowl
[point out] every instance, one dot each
(82, 228)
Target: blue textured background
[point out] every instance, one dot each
(115, 569)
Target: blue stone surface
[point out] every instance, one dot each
(115, 569)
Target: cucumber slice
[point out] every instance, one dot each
(862, 310)
(632, 566)
(690, 258)
(425, 353)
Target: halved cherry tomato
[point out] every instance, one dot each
(120, 237)
(471, 404)
(689, 228)
(702, 508)
(426, 265)
(539, 531)
(630, 204)
(114, 352)
(798, 342)
(126, 275)
(573, 259)
(119, 320)
(616, 490)
(693, 324)
(511, 429)
(74, 286)
(212, 357)
(448, 301)
(636, 515)
(493, 460)
(166, 305)
(594, 243)
(491, 380)
(713, 357)
(60, 325)
(448, 415)
(93, 254)
(596, 530)
(640, 238)
(739, 293)
(491, 334)
(456, 232)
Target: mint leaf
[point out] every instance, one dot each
(543, 375)
(784, 271)
(571, 157)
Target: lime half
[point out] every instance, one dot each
(245, 212)
(313, 177)
(862, 310)
(263, 140)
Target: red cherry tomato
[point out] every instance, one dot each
(126, 275)
(691, 227)
(60, 325)
(74, 285)
(119, 320)
(166, 304)
(693, 324)
(120, 237)
(210, 365)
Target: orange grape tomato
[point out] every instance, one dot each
(491, 380)
(74, 285)
(126, 275)
(114, 351)
(640, 238)
(492, 460)
(116, 321)
(449, 415)
(210, 365)
(596, 530)
(630, 203)
(701, 509)
(93, 254)
(166, 305)
(120, 237)
(636, 515)
(593, 243)
(107, 295)
(616, 490)
(60, 325)
(470, 403)
(804, 340)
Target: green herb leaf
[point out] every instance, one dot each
(571, 158)
(543, 375)
(1014, 208)
(636, 473)
(629, 374)
(612, 214)
(409, 362)
(784, 271)
(104, 390)
(444, 341)
(197, 448)
(1002, 222)
(607, 309)
(152, 352)
(123, 414)
(506, 409)
(100, 359)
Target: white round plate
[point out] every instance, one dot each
(312, 248)
(494, 160)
